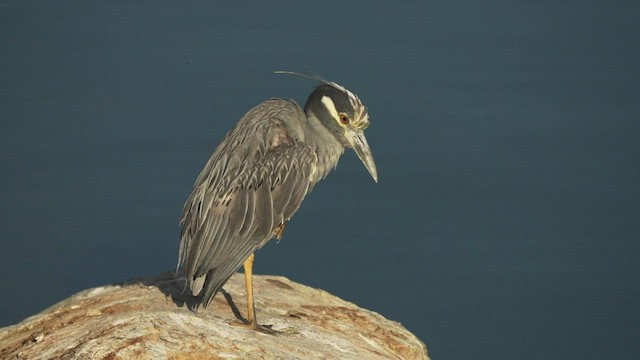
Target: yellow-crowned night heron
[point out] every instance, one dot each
(256, 179)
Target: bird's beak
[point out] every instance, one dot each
(360, 145)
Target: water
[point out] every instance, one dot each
(505, 223)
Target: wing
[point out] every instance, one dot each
(255, 180)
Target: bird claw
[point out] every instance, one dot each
(265, 329)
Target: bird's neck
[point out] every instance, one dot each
(327, 147)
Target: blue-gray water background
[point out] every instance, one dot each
(506, 133)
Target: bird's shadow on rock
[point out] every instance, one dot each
(174, 286)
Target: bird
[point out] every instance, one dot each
(257, 178)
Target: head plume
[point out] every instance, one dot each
(360, 111)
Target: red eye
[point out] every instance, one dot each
(344, 119)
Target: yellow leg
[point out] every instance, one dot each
(251, 311)
(248, 279)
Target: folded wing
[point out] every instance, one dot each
(254, 182)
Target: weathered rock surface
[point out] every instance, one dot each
(146, 320)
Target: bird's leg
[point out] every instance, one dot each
(251, 311)
(279, 231)
(248, 280)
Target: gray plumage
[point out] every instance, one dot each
(258, 176)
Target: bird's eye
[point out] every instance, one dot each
(344, 119)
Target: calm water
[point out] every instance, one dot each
(504, 226)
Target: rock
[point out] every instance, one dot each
(147, 320)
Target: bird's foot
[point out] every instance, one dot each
(265, 329)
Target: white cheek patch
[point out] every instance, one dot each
(331, 107)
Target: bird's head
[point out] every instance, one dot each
(344, 115)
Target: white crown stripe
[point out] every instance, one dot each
(360, 111)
